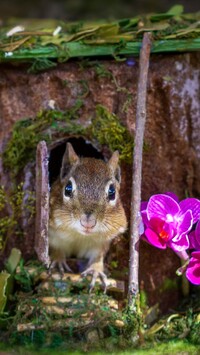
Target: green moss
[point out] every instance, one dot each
(9, 225)
(88, 313)
(41, 64)
(178, 347)
(161, 338)
(27, 133)
(49, 124)
(107, 129)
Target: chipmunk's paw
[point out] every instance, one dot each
(61, 265)
(95, 274)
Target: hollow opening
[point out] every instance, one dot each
(82, 148)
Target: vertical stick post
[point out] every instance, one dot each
(42, 203)
(133, 287)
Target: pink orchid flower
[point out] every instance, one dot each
(193, 268)
(194, 237)
(167, 222)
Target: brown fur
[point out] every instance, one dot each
(90, 178)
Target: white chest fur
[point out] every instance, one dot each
(73, 243)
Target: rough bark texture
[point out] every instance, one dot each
(171, 157)
(42, 204)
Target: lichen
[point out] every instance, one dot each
(108, 130)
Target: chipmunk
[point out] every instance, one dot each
(85, 212)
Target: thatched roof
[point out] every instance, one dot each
(50, 40)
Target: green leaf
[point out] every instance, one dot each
(108, 30)
(4, 276)
(113, 39)
(185, 33)
(176, 10)
(155, 328)
(55, 40)
(155, 27)
(13, 260)
(126, 24)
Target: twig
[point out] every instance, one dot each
(133, 288)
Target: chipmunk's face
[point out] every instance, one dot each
(90, 196)
(90, 193)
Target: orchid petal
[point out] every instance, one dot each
(144, 218)
(193, 269)
(197, 231)
(185, 222)
(194, 240)
(172, 195)
(154, 239)
(143, 205)
(161, 206)
(192, 204)
(179, 243)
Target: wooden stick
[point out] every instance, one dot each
(133, 287)
(65, 323)
(42, 204)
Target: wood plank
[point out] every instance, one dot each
(42, 203)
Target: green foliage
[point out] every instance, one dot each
(4, 276)
(41, 64)
(59, 330)
(40, 43)
(7, 281)
(184, 325)
(108, 130)
(88, 312)
(24, 278)
(13, 260)
(7, 223)
(12, 201)
(133, 319)
(102, 71)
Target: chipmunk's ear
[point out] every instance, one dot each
(69, 158)
(114, 165)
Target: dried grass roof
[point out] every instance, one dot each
(27, 40)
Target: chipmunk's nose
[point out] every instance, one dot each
(88, 220)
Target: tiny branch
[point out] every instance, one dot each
(133, 288)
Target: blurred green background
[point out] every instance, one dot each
(72, 10)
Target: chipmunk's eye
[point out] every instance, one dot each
(111, 192)
(68, 189)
